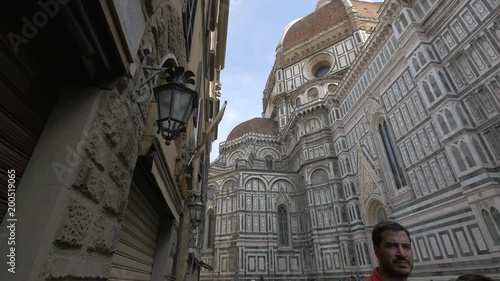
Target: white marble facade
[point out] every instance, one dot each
(406, 127)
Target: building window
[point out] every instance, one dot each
(492, 220)
(319, 176)
(392, 156)
(211, 230)
(463, 156)
(343, 213)
(350, 250)
(269, 164)
(312, 125)
(283, 231)
(189, 16)
(367, 253)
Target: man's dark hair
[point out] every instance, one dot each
(473, 277)
(384, 226)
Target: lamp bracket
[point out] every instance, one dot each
(171, 74)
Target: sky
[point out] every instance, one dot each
(255, 27)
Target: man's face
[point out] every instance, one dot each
(394, 254)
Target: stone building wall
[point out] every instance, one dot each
(73, 194)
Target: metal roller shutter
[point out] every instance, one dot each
(133, 259)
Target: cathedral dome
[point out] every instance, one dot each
(328, 13)
(257, 125)
(317, 22)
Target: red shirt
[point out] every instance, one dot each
(375, 276)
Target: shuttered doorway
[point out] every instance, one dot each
(133, 259)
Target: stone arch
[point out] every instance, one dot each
(312, 94)
(229, 185)
(375, 212)
(234, 156)
(275, 185)
(169, 61)
(256, 182)
(319, 175)
(268, 151)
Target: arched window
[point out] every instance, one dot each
(435, 86)
(319, 176)
(468, 156)
(312, 94)
(492, 221)
(458, 158)
(367, 253)
(211, 230)
(392, 156)
(479, 150)
(348, 165)
(340, 192)
(442, 124)
(298, 102)
(255, 184)
(343, 213)
(352, 257)
(283, 233)
(428, 92)
(358, 212)
(429, 52)
(451, 120)
(353, 189)
(312, 125)
(445, 83)
(415, 64)
(421, 58)
(269, 163)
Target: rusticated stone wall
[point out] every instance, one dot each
(75, 189)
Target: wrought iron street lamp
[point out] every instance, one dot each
(196, 209)
(175, 102)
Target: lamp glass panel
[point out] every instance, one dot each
(182, 104)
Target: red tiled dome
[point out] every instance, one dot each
(257, 125)
(320, 20)
(323, 19)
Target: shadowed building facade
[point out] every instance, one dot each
(96, 193)
(371, 111)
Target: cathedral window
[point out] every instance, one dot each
(312, 124)
(353, 188)
(340, 192)
(189, 17)
(432, 89)
(416, 65)
(467, 154)
(367, 253)
(343, 213)
(283, 230)
(491, 218)
(269, 163)
(479, 150)
(211, 230)
(451, 119)
(319, 176)
(392, 156)
(312, 94)
(358, 212)
(298, 102)
(421, 58)
(445, 82)
(352, 257)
